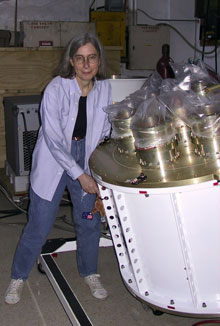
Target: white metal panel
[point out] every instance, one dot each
(171, 244)
(145, 44)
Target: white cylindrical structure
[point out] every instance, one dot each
(165, 225)
(167, 242)
(161, 191)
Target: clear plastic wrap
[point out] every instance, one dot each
(153, 82)
(195, 72)
(168, 85)
(151, 113)
(120, 110)
(150, 88)
(136, 98)
(194, 98)
(207, 126)
(119, 115)
(190, 109)
(152, 124)
(179, 105)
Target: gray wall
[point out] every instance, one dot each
(78, 10)
(55, 10)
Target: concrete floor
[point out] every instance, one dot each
(40, 305)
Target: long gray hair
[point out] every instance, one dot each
(66, 70)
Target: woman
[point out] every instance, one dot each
(73, 124)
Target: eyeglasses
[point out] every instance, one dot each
(80, 59)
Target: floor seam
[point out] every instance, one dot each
(36, 304)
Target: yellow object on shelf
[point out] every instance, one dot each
(111, 28)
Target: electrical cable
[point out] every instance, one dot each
(9, 215)
(216, 36)
(91, 5)
(19, 210)
(168, 20)
(216, 56)
(175, 29)
(183, 37)
(205, 28)
(7, 211)
(98, 8)
(179, 33)
(195, 40)
(5, 192)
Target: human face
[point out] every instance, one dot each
(86, 63)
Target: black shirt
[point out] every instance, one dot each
(81, 120)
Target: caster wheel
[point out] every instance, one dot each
(40, 268)
(157, 312)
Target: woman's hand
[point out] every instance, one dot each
(88, 184)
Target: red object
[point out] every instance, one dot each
(163, 65)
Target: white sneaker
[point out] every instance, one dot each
(96, 288)
(14, 290)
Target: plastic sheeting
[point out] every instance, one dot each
(150, 113)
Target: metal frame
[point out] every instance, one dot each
(67, 297)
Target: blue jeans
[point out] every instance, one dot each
(42, 215)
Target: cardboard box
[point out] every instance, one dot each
(52, 33)
(70, 29)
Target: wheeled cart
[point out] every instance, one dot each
(67, 297)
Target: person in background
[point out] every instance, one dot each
(73, 124)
